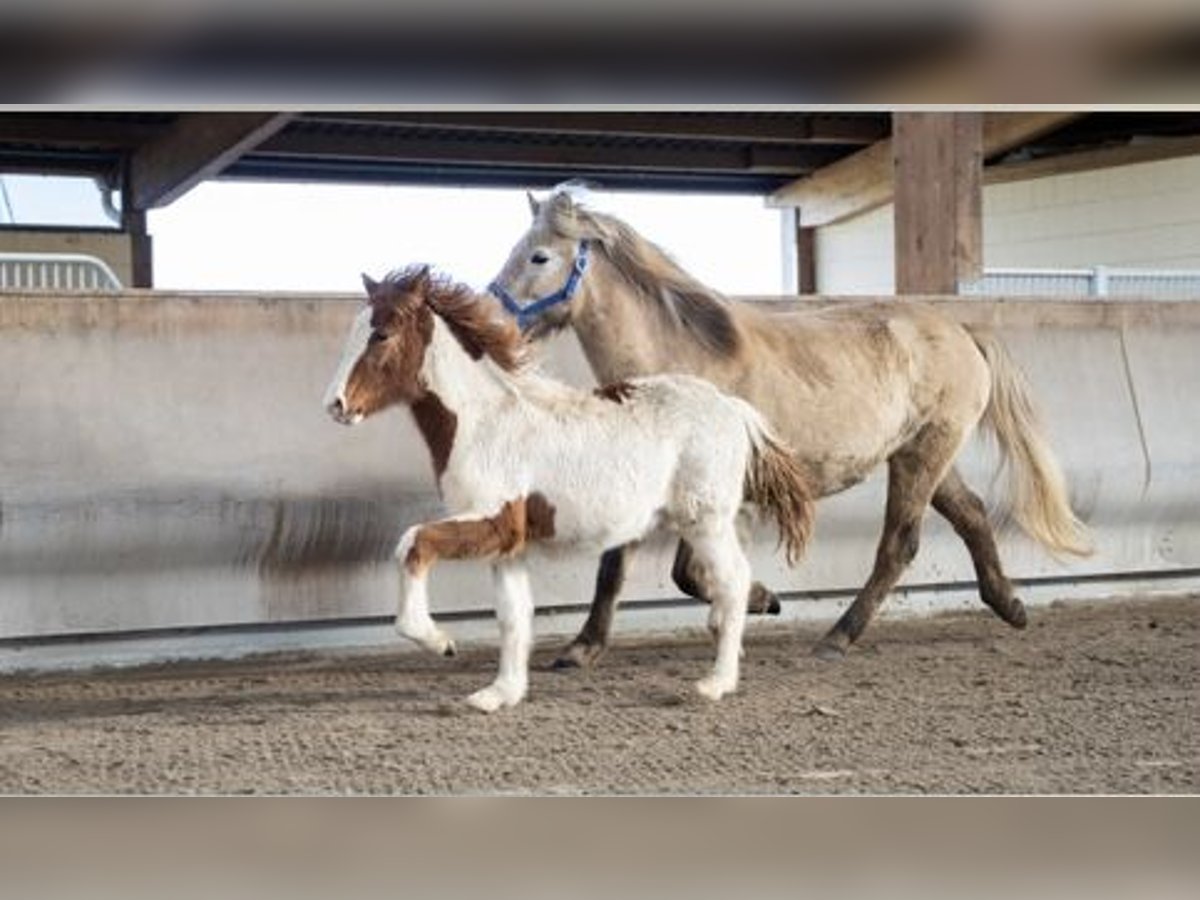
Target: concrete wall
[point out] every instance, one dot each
(113, 247)
(165, 463)
(1144, 215)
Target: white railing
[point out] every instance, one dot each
(1099, 281)
(55, 272)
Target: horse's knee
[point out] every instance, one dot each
(406, 543)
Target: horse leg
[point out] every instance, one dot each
(514, 613)
(725, 577)
(914, 471)
(412, 613)
(592, 639)
(963, 509)
(502, 534)
(761, 600)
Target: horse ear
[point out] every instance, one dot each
(563, 207)
(369, 284)
(424, 277)
(534, 206)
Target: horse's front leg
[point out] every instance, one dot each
(416, 554)
(501, 537)
(514, 613)
(459, 537)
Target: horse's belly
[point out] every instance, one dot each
(585, 528)
(602, 496)
(841, 446)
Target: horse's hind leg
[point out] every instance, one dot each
(963, 509)
(683, 572)
(914, 472)
(592, 639)
(725, 577)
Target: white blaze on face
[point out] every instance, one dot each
(356, 344)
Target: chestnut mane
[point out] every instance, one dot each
(474, 319)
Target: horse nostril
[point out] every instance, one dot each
(335, 408)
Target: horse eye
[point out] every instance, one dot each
(539, 258)
(376, 337)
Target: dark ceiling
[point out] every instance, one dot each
(744, 152)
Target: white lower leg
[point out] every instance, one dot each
(729, 590)
(412, 613)
(514, 613)
(724, 677)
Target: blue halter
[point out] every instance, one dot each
(530, 311)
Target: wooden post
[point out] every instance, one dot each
(799, 253)
(937, 167)
(806, 260)
(133, 223)
(141, 262)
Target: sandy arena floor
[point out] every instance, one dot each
(1091, 698)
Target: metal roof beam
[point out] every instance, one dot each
(52, 129)
(443, 151)
(816, 128)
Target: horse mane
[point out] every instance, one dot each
(471, 317)
(684, 303)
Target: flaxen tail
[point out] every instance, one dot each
(1037, 490)
(776, 483)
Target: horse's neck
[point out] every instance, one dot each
(465, 386)
(616, 329)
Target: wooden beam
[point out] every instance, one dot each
(939, 209)
(842, 189)
(197, 146)
(1150, 150)
(863, 181)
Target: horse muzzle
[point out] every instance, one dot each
(339, 412)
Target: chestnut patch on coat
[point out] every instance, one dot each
(617, 391)
(504, 534)
(539, 517)
(437, 425)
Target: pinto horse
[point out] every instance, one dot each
(527, 463)
(849, 388)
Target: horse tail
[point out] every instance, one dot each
(777, 484)
(1036, 487)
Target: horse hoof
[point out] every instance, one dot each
(713, 689)
(487, 700)
(578, 656)
(829, 651)
(763, 602)
(450, 650)
(494, 697)
(1016, 616)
